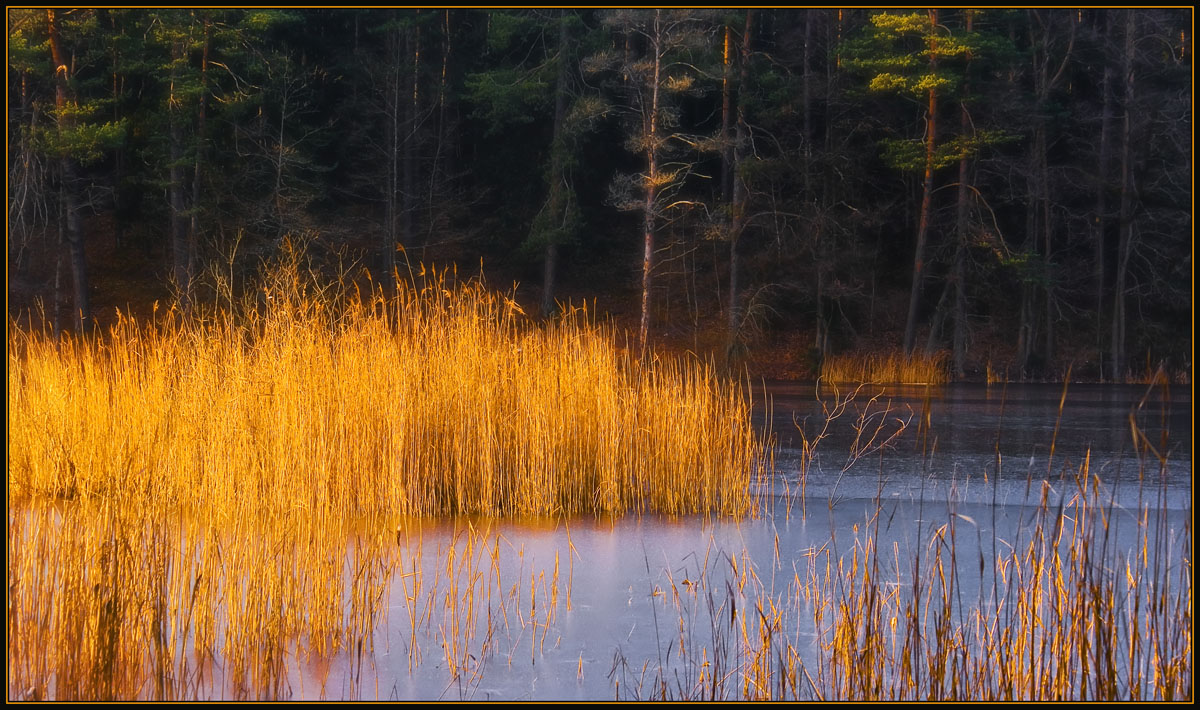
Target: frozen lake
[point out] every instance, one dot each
(642, 607)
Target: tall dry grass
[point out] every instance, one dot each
(888, 368)
(1078, 599)
(1067, 615)
(1070, 611)
(199, 502)
(438, 401)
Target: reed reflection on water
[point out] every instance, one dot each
(927, 563)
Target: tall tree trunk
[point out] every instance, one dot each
(960, 274)
(939, 317)
(118, 178)
(558, 178)
(58, 261)
(960, 228)
(805, 96)
(648, 217)
(1099, 220)
(281, 215)
(1039, 214)
(821, 332)
(394, 97)
(437, 173)
(828, 187)
(441, 161)
(1036, 228)
(75, 242)
(180, 248)
(727, 119)
(1026, 328)
(918, 275)
(413, 104)
(179, 221)
(201, 116)
(1047, 241)
(1126, 213)
(739, 193)
(1035, 225)
(451, 116)
(69, 180)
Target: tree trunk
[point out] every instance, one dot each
(408, 186)
(439, 172)
(558, 178)
(1042, 219)
(959, 276)
(1126, 213)
(1047, 241)
(75, 243)
(1099, 219)
(651, 130)
(960, 262)
(69, 182)
(1035, 224)
(806, 94)
(914, 298)
(739, 186)
(118, 177)
(829, 188)
(1026, 329)
(280, 161)
(727, 119)
(58, 259)
(180, 249)
(393, 95)
(821, 331)
(939, 318)
(452, 116)
(194, 235)
(440, 164)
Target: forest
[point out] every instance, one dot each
(1010, 189)
(569, 354)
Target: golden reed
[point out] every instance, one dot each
(195, 501)
(887, 368)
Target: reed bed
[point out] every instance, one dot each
(113, 602)
(199, 507)
(917, 368)
(1067, 614)
(1078, 599)
(1071, 612)
(198, 503)
(435, 402)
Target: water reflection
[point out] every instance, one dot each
(914, 508)
(662, 607)
(990, 443)
(657, 605)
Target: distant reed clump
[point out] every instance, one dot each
(888, 368)
(436, 401)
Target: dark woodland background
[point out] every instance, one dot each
(1013, 187)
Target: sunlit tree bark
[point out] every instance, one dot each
(67, 176)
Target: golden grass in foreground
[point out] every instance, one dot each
(195, 502)
(116, 602)
(887, 368)
(435, 402)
